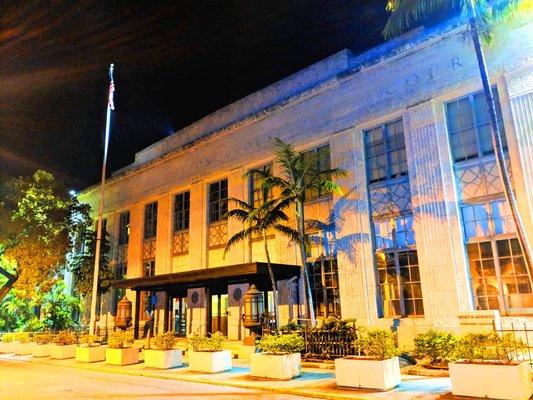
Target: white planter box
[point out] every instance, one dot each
(90, 354)
(163, 359)
(63, 352)
(204, 361)
(41, 350)
(494, 381)
(126, 356)
(368, 374)
(273, 366)
(6, 347)
(22, 349)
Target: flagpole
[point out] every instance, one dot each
(110, 106)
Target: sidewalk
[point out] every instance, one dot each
(313, 382)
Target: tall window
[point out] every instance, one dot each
(150, 220)
(256, 187)
(469, 126)
(218, 201)
(392, 221)
(385, 152)
(124, 228)
(499, 276)
(123, 240)
(324, 282)
(323, 163)
(182, 207)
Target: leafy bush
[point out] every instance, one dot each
(291, 327)
(43, 337)
(211, 343)
(489, 347)
(165, 341)
(22, 337)
(89, 340)
(65, 338)
(281, 343)
(8, 337)
(379, 343)
(438, 348)
(335, 324)
(119, 340)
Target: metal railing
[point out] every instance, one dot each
(523, 333)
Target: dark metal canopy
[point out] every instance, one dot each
(256, 272)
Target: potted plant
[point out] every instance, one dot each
(488, 366)
(206, 354)
(89, 349)
(162, 354)
(42, 346)
(64, 345)
(21, 344)
(119, 350)
(376, 367)
(279, 358)
(434, 349)
(6, 345)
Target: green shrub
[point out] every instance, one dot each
(378, 343)
(119, 340)
(489, 346)
(436, 347)
(211, 343)
(22, 337)
(165, 341)
(291, 327)
(89, 340)
(335, 324)
(65, 338)
(8, 337)
(281, 343)
(43, 337)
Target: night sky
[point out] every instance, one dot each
(175, 63)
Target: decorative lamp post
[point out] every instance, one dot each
(123, 318)
(253, 314)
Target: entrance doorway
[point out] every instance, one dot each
(179, 316)
(219, 313)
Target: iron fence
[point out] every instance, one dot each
(523, 333)
(328, 344)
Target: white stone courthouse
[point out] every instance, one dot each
(420, 235)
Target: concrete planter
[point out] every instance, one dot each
(125, 356)
(509, 382)
(368, 374)
(90, 354)
(163, 359)
(41, 350)
(211, 362)
(276, 366)
(22, 349)
(6, 347)
(63, 352)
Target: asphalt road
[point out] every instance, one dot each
(26, 380)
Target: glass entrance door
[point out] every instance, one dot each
(219, 313)
(179, 314)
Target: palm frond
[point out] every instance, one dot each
(239, 214)
(239, 236)
(242, 204)
(291, 233)
(405, 13)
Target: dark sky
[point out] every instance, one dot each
(175, 63)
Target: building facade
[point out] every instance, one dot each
(421, 232)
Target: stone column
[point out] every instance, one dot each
(235, 310)
(135, 242)
(196, 311)
(520, 141)
(439, 242)
(163, 263)
(236, 189)
(357, 280)
(197, 231)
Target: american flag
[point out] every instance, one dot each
(110, 103)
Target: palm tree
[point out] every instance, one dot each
(300, 175)
(481, 15)
(259, 220)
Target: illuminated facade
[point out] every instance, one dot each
(421, 232)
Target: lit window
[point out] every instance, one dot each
(182, 206)
(218, 201)
(150, 220)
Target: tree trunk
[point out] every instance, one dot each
(308, 298)
(11, 279)
(497, 140)
(272, 280)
